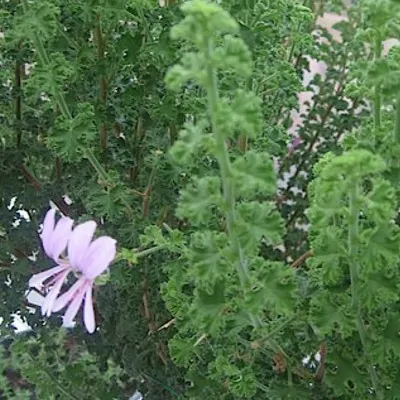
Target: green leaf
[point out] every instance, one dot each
(203, 19)
(209, 305)
(272, 288)
(207, 256)
(344, 377)
(39, 18)
(110, 202)
(254, 174)
(256, 221)
(240, 116)
(71, 136)
(390, 341)
(331, 313)
(192, 139)
(200, 201)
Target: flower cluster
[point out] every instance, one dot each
(73, 250)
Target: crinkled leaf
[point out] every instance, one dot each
(254, 174)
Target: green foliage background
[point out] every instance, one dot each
(161, 123)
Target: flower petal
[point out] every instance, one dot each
(88, 312)
(70, 325)
(73, 307)
(48, 301)
(60, 237)
(37, 280)
(48, 228)
(99, 256)
(66, 297)
(79, 242)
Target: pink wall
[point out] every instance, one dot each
(319, 67)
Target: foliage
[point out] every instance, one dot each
(162, 123)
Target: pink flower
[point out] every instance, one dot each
(54, 237)
(91, 259)
(86, 258)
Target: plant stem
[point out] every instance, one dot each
(141, 254)
(352, 246)
(149, 251)
(226, 176)
(225, 167)
(56, 383)
(397, 119)
(60, 99)
(354, 270)
(96, 165)
(377, 94)
(100, 43)
(18, 99)
(377, 108)
(44, 59)
(274, 331)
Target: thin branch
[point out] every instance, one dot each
(301, 259)
(60, 202)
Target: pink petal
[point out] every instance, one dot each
(99, 256)
(88, 312)
(60, 237)
(66, 297)
(73, 307)
(52, 295)
(37, 280)
(48, 228)
(79, 242)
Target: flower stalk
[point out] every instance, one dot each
(377, 90)
(224, 164)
